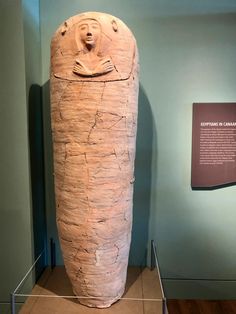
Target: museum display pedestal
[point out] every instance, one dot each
(51, 294)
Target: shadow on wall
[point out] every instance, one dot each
(49, 180)
(142, 187)
(36, 144)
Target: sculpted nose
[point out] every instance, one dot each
(89, 32)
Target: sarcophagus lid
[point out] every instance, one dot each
(115, 42)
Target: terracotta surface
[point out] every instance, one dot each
(94, 93)
(142, 295)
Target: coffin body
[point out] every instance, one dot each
(94, 92)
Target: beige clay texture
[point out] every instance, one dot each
(94, 95)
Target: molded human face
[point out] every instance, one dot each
(89, 31)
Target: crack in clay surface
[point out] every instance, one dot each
(94, 88)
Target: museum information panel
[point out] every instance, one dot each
(213, 145)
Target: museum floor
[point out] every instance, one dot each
(201, 307)
(142, 296)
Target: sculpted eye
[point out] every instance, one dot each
(83, 27)
(95, 26)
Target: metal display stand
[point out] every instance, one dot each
(17, 293)
(155, 265)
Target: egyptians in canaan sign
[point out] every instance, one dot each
(213, 145)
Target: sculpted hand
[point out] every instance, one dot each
(104, 66)
(81, 69)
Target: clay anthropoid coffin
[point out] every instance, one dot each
(94, 92)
